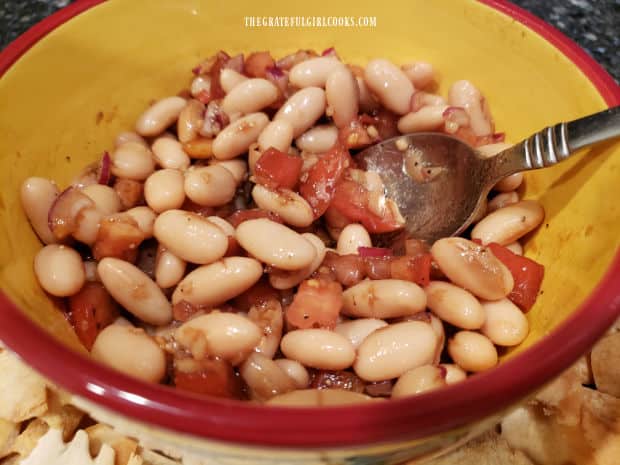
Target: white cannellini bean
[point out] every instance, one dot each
(318, 348)
(169, 269)
(313, 72)
(128, 136)
(391, 351)
(250, 96)
(352, 237)
(502, 200)
(319, 398)
(270, 319)
(509, 183)
(390, 84)
(440, 332)
(472, 267)
(264, 377)
(37, 196)
(515, 247)
(163, 190)
(383, 298)
(199, 84)
(159, 116)
(420, 73)
(275, 244)
(106, 199)
(132, 160)
(505, 324)
(277, 134)
(419, 380)
(295, 370)
(472, 351)
(190, 236)
(59, 270)
(135, 291)
(238, 168)
(229, 79)
(214, 284)
(342, 96)
(428, 118)
(169, 153)
(211, 186)
(224, 225)
(358, 330)
(145, 218)
(291, 206)
(222, 334)
(454, 305)
(368, 103)
(464, 94)
(454, 373)
(131, 351)
(237, 137)
(282, 279)
(190, 120)
(510, 223)
(318, 139)
(88, 220)
(302, 109)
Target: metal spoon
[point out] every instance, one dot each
(439, 182)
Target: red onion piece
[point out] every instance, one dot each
(329, 52)
(65, 210)
(104, 172)
(278, 77)
(374, 252)
(421, 99)
(498, 137)
(235, 63)
(455, 117)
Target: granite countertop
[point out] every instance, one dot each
(593, 24)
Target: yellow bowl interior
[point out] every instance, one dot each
(65, 100)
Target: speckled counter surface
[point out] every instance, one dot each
(593, 24)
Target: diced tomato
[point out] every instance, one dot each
(184, 310)
(319, 183)
(243, 215)
(119, 236)
(212, 377)
(259, 294)
(527, 275)
(416, 268)
(351, 200)
(415, 247)
(316, 304)
(257, 63)
(276, 169)
(90, 311)
(374, 252)
(384, 121)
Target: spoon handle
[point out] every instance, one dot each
(557, 143)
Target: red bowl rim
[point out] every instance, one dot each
(405, 419)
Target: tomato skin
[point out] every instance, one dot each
(416, 269)
(319, 183)
(316, 304)
(214, 377)
(527, 275)
(256, 64)
(254, 213)
(90, 311)
(257, 295)
(276, 169)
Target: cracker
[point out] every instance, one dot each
(61, 415)
(605, 360)
(123, 446)
(22, 391)
(8, 433)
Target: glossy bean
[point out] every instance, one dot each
(464, 94)
(342, 95)
(472, 351)
(106, 199)
(454, 373)
(515, 247)
(454, 305)
(393, 350)
(214, 284)
(199, 85)
(132, 161)
(428, 118)
(318, 139)
(319, 398)
(190, 236)
(277, 134)
(359, 329)
(210, 186)
(290, 251)
(282, 279)
(264, 378)
(352, 237)
(190, 120)
(59, 270)
(229, 79)
(420, 73)
(128, 136)
(169, 153)
(163, 190)
(390, 84)
(131, 351)
(250, 96)
(472, 267)
(135, 291)
(37, 196)
(313, 72)
(502, 200)
(505, 324)
(302, 109)
(509, 183)
(169, 269)
(418, 380)
(159, 116)
(224, 225)
(318, 348)
(87, 222)
(238, 168)
(291, 207)
(510, 223)
(296, 371)
(227, 335)
(383, 298)
(145, 218)
(237, 137)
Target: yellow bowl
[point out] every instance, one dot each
(71, 92)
